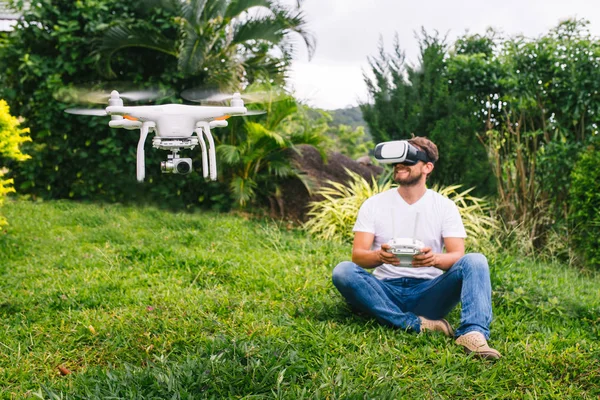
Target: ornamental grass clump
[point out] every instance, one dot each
(477, 218)
(333, 217)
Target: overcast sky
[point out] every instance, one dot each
(348, 31)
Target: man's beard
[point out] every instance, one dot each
(411, 180)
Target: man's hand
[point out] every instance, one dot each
(385, 257)
(427, 258)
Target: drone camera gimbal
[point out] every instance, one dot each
(176, 165)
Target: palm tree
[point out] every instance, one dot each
(228, 41)
(257, 153)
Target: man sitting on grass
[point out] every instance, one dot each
(418, 297)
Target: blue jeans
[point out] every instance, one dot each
(399, 302)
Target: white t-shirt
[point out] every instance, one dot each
(387, 215)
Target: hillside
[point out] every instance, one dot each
(142, 303)
(351, 116)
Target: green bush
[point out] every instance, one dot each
(11, 138)
(333, 217)
(584, 202)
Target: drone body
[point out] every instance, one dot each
(174, 126)
(175, 120)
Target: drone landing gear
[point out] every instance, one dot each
(174, 163)
(140, 168)
(176, 144)
(203, 129)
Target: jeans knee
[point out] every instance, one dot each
(343, 273)
(475, 261)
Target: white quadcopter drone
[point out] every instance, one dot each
(174, 126)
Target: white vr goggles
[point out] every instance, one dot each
(399, 152)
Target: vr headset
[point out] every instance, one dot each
(399, 152)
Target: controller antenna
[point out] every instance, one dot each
(416, 225)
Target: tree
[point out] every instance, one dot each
(72, 156)
(256, 152)
(418, 100)
(224, 42)
(538, 103)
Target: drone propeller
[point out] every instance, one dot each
(86, 111)
(255, 112)
(249, 112)
(99, 97)
(86, 95)
(198, 95)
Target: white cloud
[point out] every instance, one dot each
(328, 85)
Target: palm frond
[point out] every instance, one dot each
(215, 10)
(193, 11)
(262, 65)
(119, 37)
(237, 7)
(280, 110)
(309, 182)
(258, 131)
(243, 190)
(229, 154)
(281, 168)
(192, 49)
(269, 29)
(295, 21)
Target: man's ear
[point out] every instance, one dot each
(429, 167)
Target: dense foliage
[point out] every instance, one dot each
(584, 201)
(256, 151)
(61, 44)
(539, 103)
(222, 41)
(510, 113)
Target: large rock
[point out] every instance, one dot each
(294, 199)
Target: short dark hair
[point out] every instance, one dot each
(427, 146)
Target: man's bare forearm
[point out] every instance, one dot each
(446, 260)
(366, 258)
(373, 258)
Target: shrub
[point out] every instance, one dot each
(479, 223)
(11, 137)
(584, 205)
(333, 217)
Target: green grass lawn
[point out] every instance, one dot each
(144, 303)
